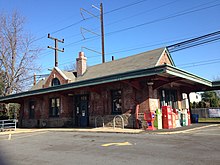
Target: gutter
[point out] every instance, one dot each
(188, 76)
(112, 78)
(86, 83)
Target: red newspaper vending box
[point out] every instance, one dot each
(167, 117)
(149, 117)
(189, 119)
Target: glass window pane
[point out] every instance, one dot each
(58, 102)
(116, 101)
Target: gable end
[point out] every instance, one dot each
(165, 58)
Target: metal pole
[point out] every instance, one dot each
(102, 33)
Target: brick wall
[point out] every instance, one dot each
(99, 104)
(164, 59)
(54, 74)
(65, 118)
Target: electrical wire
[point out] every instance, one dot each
(78, 22)
(92, 38)
(161, 19)
(147, 23)
(123, 7)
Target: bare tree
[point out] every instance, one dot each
(70, 67)
(17, 53)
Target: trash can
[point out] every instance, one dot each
(195, 118)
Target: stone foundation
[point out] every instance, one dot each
(129, 121)
(48, 123)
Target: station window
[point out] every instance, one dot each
(169, 97)
(116, 101)
(31, 110)
(55, 82)
(54, 107)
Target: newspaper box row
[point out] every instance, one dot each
(169, 118)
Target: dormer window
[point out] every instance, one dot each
(55, 82)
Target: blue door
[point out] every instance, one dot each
(82, 117)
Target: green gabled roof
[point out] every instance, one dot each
(144, 60)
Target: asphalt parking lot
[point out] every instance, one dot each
(198, 146)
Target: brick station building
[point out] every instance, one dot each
(127, 87)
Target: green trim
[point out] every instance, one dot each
(188, 76)
(85, 83)
(216, 83)
(158, 70)
(169, 56)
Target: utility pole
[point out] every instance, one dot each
(102, 28)
(56, 48)
(102, 33)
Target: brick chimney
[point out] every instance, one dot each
(81, 64)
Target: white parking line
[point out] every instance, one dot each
(189, 130)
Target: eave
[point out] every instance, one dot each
(86, 83)
(162, 70)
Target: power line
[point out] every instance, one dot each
(78, 22)
(123, 19)
(92, 38)
(151, 22)
(141, 47)
(161, 19)
(194, 42)
(136, 26)
(202, 64)
(123, 7)
(136, 48)
(155, 8)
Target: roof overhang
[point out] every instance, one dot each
(215, 85)
(163, 70)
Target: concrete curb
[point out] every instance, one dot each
(94, 130)
(106, 130)
(101, 130)
(188, 130)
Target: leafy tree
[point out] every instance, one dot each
(211, 98)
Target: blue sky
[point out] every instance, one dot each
(131, 27)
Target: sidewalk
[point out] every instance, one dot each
(185, 129)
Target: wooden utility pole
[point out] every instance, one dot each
(56, 48)
(102, 27)
(102, 33)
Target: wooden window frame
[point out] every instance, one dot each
(169, 97)
(55, 82)
(54, 107)
(32, 106)
(116, 101)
